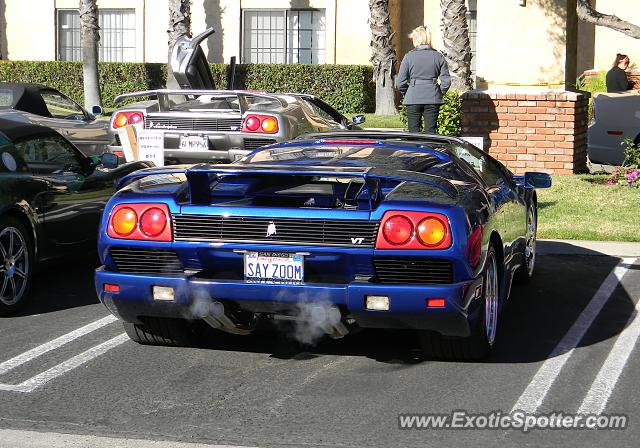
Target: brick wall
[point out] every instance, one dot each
(530, 132)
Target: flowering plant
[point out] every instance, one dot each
(629, 172)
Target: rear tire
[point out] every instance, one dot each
(476, 346)
(157, 331)
(16, 265)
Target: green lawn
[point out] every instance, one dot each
(584, 207)
(382, 121)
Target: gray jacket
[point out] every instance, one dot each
(418, 76)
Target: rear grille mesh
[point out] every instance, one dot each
(325, 232)
(413, 270)
(251, 144)
(149, 262)
(193, 124)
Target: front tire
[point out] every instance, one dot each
(479, 343)
(16, 265)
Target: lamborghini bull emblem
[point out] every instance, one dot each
(271, 229)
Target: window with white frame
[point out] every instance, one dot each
(283, 36)
(117, 35)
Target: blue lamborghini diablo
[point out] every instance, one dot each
(347, 230)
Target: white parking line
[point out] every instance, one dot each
(29, 439)
(602, 387)
(54, 344)
(41, 379)
(537, 390)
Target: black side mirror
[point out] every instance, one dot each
(533, 179)
(96, 111)
(109, 160)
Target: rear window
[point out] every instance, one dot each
(229, 103)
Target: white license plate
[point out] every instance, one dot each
(269, 266)
(192, 142)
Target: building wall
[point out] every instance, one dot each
(522, 46)
(609, 42)
(30, 36)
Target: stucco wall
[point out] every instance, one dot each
(522, 46)
(30, 36)
(609, 42)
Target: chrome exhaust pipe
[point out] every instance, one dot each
(330, 319)
(218, 319)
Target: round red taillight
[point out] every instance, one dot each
(124, 221)
(252, 123)
(135, 118)
(397, 230)
(153, 222)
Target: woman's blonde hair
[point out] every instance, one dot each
(420, 36)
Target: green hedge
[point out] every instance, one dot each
(348, 88)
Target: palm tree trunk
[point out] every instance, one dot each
(457, 47)
(89, 38)
(179, 25)
(383, 57)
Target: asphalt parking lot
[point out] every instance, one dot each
(565, 344)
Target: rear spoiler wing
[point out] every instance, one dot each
(199, 176)
(164, 104)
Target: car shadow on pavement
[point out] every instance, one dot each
(62, 284)
(539, 314)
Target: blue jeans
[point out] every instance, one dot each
(415, 112)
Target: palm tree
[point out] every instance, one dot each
(457, 47)
(89, 38)
(179, 25)
(383, 57)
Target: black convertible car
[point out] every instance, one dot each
(51, 199)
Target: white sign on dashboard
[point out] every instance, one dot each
(478, 142)
(151, 147)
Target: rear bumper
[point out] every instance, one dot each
(408, 308)
(222, 147)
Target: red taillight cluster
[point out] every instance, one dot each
(125, 118)
(260, 124)
(147, 222)
(413, 230)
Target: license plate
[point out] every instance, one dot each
(270, 266)
(192, 142)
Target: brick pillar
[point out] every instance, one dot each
(530, 132)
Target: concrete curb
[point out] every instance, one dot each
(593, 248)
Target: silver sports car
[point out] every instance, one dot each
(200, 123)
(46, 106)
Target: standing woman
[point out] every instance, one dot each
(617, 80)
(418, 82)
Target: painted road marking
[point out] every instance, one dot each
(54, 344)
(537, 390)
(43, 378)
(29, 439)
(602, 387)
